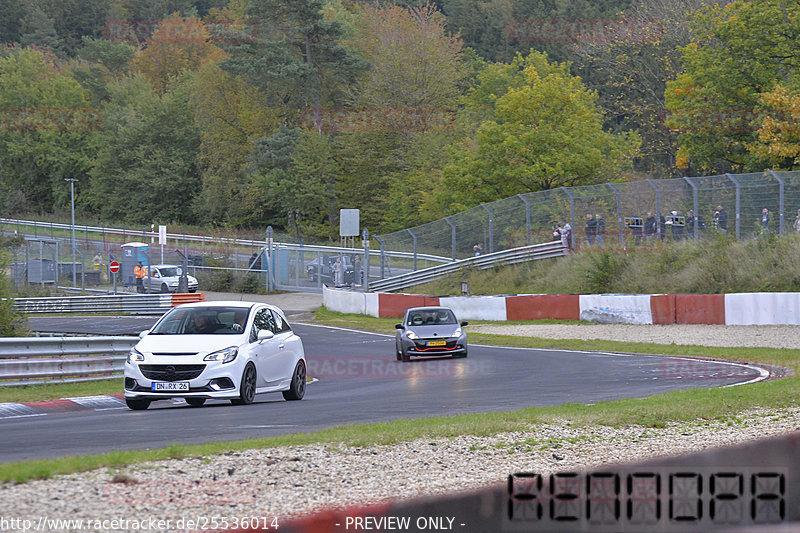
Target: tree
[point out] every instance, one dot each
(231, 117)
(414, 63)
(741, 50)
(99, 63)
(547, 133)
(47, 130)
(146, 164)
(296, 59)
(629, 65)
(178, 45)
(12, 322)
(779, 135)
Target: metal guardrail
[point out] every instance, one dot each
(214, 240)
(505, 257)
(33, 360)
(139, 304)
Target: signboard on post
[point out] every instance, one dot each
(162, 239)
(349, 227)
(349, 223)
(113, 266)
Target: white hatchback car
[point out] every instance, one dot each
(216, 350)
(166, 278)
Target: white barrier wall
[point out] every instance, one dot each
(762, 308)
(476, 307)
(616, 308)
(349, 302)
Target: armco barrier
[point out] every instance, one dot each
(730, 309)
(140, 304)
(750, 488)
(31, 360)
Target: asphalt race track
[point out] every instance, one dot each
(360, 382)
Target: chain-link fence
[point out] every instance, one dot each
(615, 214)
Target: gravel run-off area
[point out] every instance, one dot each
(292, 481)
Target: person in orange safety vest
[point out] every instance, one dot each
(140, 272)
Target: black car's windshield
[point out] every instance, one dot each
(203, 321)
(170, 272)
(430, 317)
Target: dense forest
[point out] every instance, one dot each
(243, 113)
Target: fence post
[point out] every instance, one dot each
(780, 201)
(619, 214)
(365, 262)
(415, 247)
(452, 236)
(383, 254)
(527, 219)
(696, 205)
(658, 207)
(491, 228)
(268, 258)
(738, 204)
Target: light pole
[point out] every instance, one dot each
(72, 196)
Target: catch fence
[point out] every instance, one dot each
(680, 208)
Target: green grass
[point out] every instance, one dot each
(657, 411)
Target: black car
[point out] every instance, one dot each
(323, 268)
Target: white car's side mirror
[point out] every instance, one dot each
(264, 335)
(143, 333)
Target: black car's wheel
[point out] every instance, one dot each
(137, 405)
(196, 402)
(404, 357)
(164, 288)
(298, 387)
(247, 388)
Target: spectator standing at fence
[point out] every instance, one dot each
(338, 278)
(566, 235)
(556, 233)
(255, 261)
(139, 271)
(591, 229)
(765, 218)
(720, 220)
(359, 278)
(690, 224)
(796, 224)
(650, 226)
(601, 229)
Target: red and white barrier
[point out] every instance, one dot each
(731, 309)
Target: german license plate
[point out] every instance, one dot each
(437, 343)
(170, 386)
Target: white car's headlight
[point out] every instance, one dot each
(135, 355)
(457, 332)
(224, 356)
(411, 335)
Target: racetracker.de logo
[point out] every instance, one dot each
(49, 119)
(567, 30)
(182, 31)
(387, 367)
(378, 119)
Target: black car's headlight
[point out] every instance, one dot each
(457, 332)
(135, 356)
(411, 335)
(223, 356)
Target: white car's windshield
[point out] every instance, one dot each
(170, 272)
(430, 317)
(203, 321)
